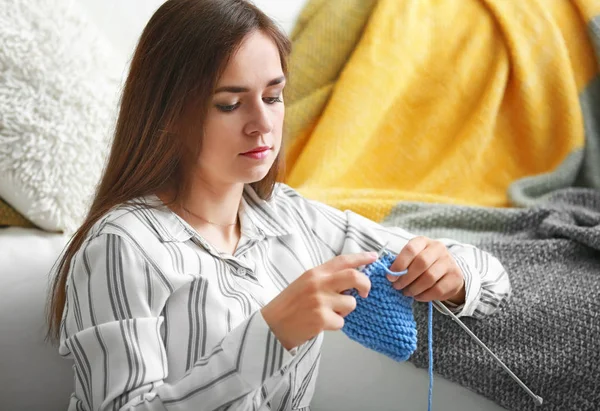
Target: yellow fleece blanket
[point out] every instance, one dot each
(440, 101)
(445, 101)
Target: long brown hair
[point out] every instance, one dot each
(179, 58)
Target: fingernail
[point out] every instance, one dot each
(373, 254)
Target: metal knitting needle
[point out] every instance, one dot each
(380, 253)
(536, 398)
(382, 250)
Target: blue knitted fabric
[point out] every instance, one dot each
(383, 321)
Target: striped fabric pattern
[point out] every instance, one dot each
(156, 318)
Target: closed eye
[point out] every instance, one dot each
(227, 108)
(232, 107)
(272, 100)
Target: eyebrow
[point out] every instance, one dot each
(240, 89)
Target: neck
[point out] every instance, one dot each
(213, 205)
(216, 204)
(212, 212)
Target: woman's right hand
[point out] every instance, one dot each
(314, 301)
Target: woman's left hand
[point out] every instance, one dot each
(432, 272)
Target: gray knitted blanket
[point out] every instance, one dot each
(549, 333)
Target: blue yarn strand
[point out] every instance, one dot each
(384, 321)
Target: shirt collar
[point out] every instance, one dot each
(263, 215)
(258, 219)
(169, 227)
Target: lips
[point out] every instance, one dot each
(258, 150)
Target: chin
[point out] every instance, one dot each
(255, 175)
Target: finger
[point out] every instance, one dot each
(445, 288)
(426, 280)
(333, 321)
(421, 263)
(343, 304)
(350, 278)
(407, 255)
(345, 261)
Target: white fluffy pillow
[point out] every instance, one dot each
(58, 95)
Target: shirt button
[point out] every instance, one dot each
(241, 271)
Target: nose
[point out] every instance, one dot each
(259, 122)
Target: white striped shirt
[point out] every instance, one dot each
(158, 319)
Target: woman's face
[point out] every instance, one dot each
(242, 132)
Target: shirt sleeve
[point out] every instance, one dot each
(487, 284)
(111, 328)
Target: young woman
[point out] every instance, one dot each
(196, 279)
